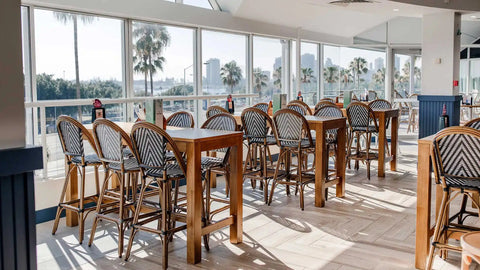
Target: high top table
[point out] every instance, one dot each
(321, 125)
(194, 141)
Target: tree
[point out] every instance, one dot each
(65, 17)
(277, 76)
(231, 75)
(346, 77)
(358, 66)
(330, 75)
(148, 49)
(379, 76)
(307, 75)
(260, 80)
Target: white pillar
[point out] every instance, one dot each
(12, 108)
(440, 53)
(389, 63)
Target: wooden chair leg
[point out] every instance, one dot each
(135, 219)
(99, 207)
(61, 200)
(438, 227)
(81, 221)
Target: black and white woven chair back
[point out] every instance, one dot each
(214, 110)
(255, 123)
(223, 121)
(457, 152)
(262, 106)
(71, 136)
(180, 119)
(359, 115)
(327, 100)
(289, 127)
(298, 108)
(323, 103)
(475, 123)
(109, 142)
(380, 104)
(150, 144)
(330, 111)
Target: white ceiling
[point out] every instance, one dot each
(320, 16)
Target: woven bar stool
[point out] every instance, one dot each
(382, 104)
(293, 137)
(360, 118)
(322, 103)
(150, 144)
(303, 104)
(71, 134)
(456, 155)
(213, 110)
(181, 119)
(261, 106)
(256, 125)
(115, 204)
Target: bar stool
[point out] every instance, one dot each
(256, 125)
(303, 104)
(297, 108)
(120, 200)
(71, 134)
(474, 123)
(181, 119)
(470, 244)
(382, 104)
(213, 110)
(322, 103)
(261, 106)
(456, 154)
(360, 116)
(293, 137)
(150, 144)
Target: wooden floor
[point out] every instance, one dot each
(373, 227)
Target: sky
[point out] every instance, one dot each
(100, 49)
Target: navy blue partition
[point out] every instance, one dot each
(431, 109)
(17, 207)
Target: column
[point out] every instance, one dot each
(440, 70)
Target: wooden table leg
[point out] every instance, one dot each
(340, 160)
(71, 194)
(424, 194)
(381, 145)
(236, 193)
(394, 144)
(213, 175)
(194, 204)
(321, 169)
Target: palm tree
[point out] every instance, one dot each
(65, 17)
(307, 75)
(277, 76)
(358, 66)
(260, 80)
(231, 74)
(151, 41)
(330, 75)
(379, 76)
(346, 77)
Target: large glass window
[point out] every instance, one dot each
(198, 3)
(463, 76)
(309, 72)
(333, 76)
(162, 60)
(401, 74)
(268, 62)
(475, 75)
(417, 83)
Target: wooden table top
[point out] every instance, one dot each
(183, 134)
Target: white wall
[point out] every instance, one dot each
(12, 111)
(440, 42)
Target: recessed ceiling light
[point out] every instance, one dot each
(396, 9)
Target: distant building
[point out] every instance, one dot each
(328, 62)
(397, 63)
(213, 72)
(379, 63)
(278, 63)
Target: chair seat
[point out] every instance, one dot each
(305, 143)
(270, 140)
(211, 162)
(89, 159)
(173, 170)
(130, 164)
(365, 129)
(459, 182)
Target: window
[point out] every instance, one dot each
(224, 58)
(269, 57)
(463, 76)
(162, 60)
(309, 72)
(333, 76)
(475, 75)
(401, 74)
(198, 3)
(417, 85)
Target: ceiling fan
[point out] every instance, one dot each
(348, 2)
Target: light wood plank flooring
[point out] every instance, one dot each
(373, 227)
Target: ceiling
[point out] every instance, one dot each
(320, 16)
